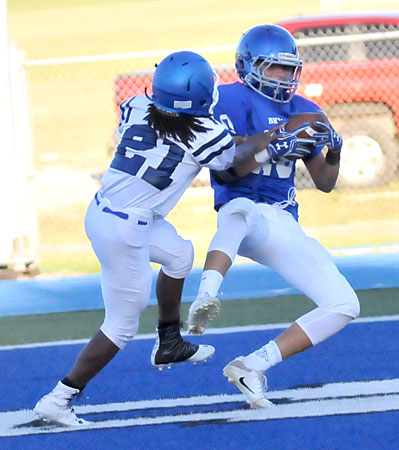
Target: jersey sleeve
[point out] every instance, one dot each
(127, 107)
(214, 149)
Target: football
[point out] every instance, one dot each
(298, 120)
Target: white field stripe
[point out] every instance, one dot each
(209, 331)
(331, 399)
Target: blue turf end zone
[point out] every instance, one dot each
(37, 296)
(363, 352)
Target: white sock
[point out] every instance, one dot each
(263, 358)
(210, 283)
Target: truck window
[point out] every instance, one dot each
(351, 50)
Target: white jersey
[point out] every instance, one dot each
(152, 173)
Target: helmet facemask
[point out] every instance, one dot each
(261, 47)
(280, 91)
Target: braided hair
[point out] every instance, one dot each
(180, 127)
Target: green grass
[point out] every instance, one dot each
(84, 324)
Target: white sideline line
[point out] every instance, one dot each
(331, 399)
(364, 250)
(312, 409)
(225, 330)
(356, 388)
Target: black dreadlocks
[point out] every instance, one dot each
(180, 127)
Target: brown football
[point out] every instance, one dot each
(298, 120)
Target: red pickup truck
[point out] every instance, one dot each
(351, 69)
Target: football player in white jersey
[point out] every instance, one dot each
(165, 141)
(257, 214)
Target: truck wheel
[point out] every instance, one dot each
(369, 155)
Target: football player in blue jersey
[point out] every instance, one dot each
(165, 140)
(258, 214)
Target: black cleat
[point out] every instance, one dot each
(170, 348)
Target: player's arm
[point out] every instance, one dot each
(251, 152)
(323, 174)
(324, 170)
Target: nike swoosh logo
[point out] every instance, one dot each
(241, 380)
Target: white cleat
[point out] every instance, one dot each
(201, 312)
(55, 407)
(252, 383)
(203, 353)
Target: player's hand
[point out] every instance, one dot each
(329, 137)
(289, 145)
(260, 140)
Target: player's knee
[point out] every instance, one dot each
(120, 336)
(348, 305)
(337, 295)
(353, 305)
(349, 301)
(124, 304)
(182, 261)
(241, 205)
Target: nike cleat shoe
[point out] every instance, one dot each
(252, 383)
(54, 408)
(170, 348)
(201, 312)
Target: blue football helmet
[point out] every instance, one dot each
(261, 47)
(185, 83)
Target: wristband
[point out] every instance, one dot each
(333, 158)
(225, 176)
(262, 156)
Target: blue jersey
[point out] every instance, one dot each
(244, 111)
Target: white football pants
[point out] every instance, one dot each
(272, 237)
(125, 248)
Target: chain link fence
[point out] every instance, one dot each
(352, 72)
